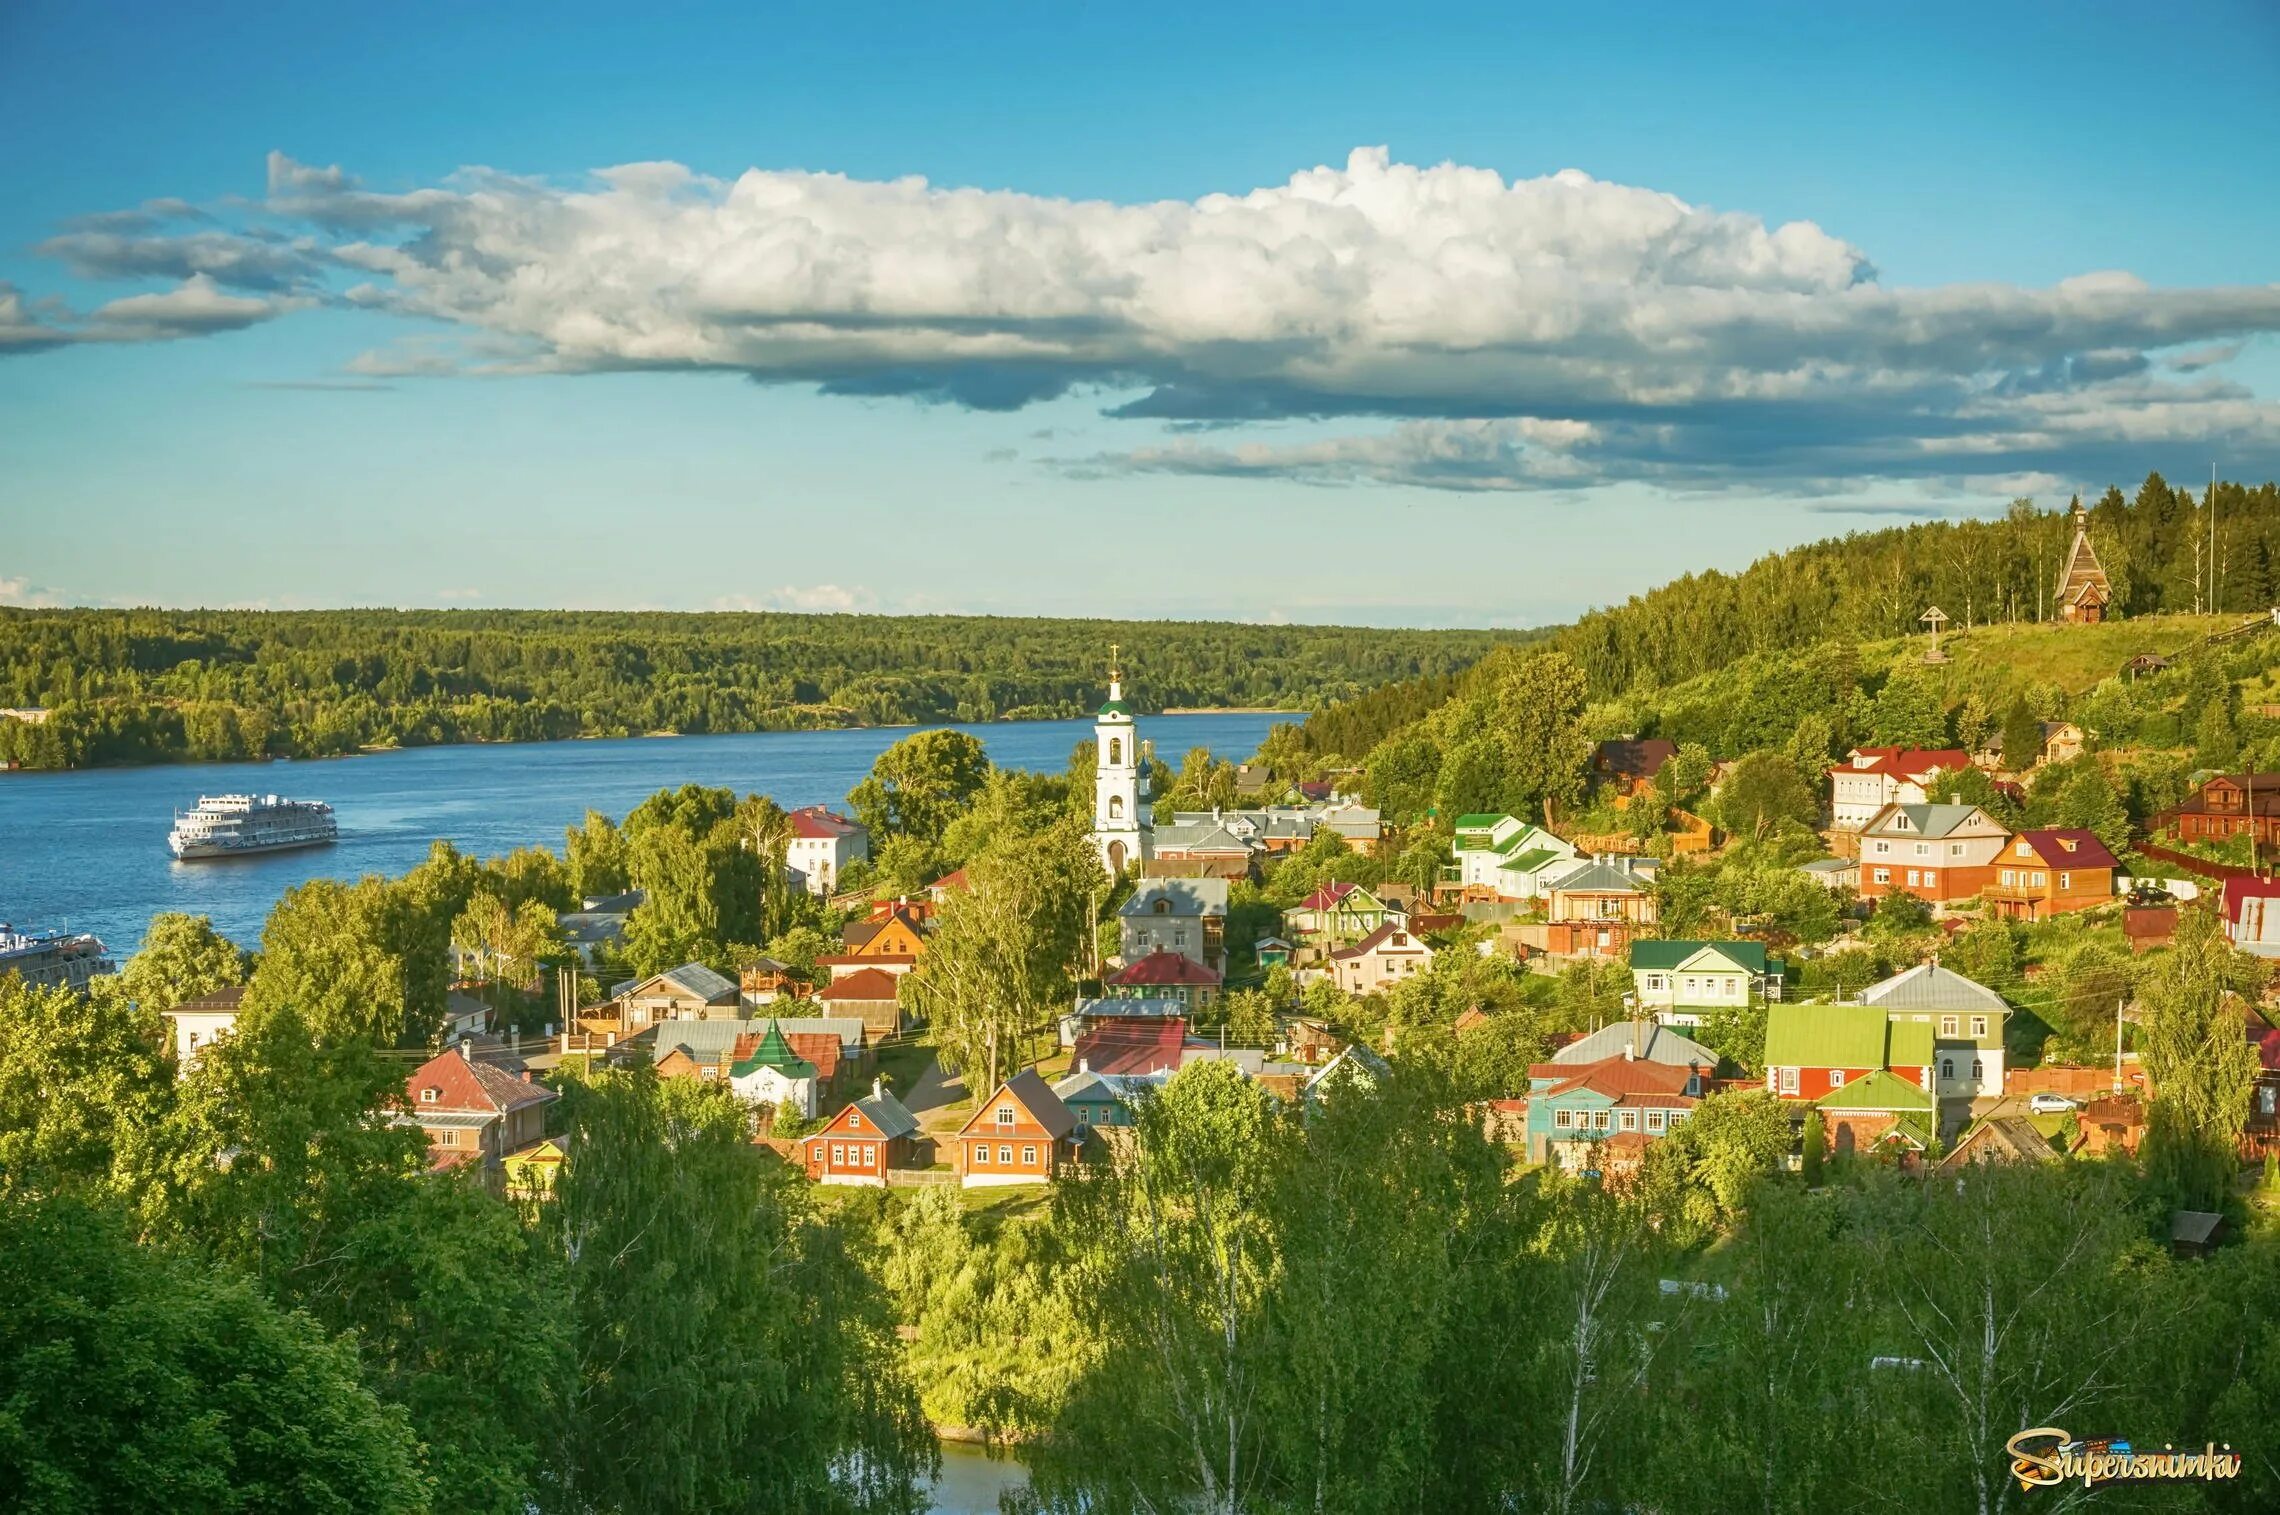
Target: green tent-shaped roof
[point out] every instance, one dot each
(774, 1052)
(1881, 1090)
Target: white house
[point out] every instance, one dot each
(201, 1022)
(1508, 857)
(822, 845)
(1380, 960)
(1874, 777)
(773, 1074)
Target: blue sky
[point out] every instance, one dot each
(1422, 395)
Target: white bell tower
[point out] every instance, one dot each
(1122, 830)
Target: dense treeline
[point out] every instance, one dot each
(2155, 549)
(1869, 586)
(159, 685)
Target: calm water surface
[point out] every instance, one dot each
(87, 850)
(971, 1481)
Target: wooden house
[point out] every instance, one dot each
(2049, 871)
(1021, 1134)
(863, 1142)
(1942, 854)
(2229, 805)
(474, 1112)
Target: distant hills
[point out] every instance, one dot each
(127, 686)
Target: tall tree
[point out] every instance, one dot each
(2192, 1036)
(918, 786)
(728, 1355)
(1006, 949)
(139, 1382)
(182, 957)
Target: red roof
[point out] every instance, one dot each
(1164, 966)
(1327, 896)
(2069, 846)
(954, 879)
(2247, 887)
(2266, 1041)
(817, 823)
(1907, 762)
(1131, 1047)
(1621, 1077)
(818, 1047)
(454, 1084)
(863, 986)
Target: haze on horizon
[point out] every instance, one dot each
(1480, 319)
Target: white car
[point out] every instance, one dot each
(2050, 1104)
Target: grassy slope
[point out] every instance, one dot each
(1999, 661)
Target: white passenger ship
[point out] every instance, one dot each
(237, 825)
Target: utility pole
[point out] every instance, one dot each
(2213, 543)
(2117, 1046)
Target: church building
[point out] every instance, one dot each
(2083, 593)
(1122, 830)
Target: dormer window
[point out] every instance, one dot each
(1163, 907)
(429, 1096)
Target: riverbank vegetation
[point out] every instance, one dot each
(142, 686)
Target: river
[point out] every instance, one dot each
(971, 1481)
(86, 850)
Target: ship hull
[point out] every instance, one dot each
(202, 852)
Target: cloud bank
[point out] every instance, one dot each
(1464, 331)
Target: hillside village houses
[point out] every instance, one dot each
(1676, 982)
(1940, 853)
(1380, 960)
(1876, 778)
(474, 1112)
(822, 844)
(1187, 916)
(199, 1023)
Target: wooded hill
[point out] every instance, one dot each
(1714, 650)
(162, 685)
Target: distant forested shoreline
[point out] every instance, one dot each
(156, 686)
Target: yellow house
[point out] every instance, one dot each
(530, 1173)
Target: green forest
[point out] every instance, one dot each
(139, 686)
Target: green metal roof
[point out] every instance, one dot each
(1916, 1127)
(1529, 862)
(774, 1052)
(1116, 707)
(1824, 1036)
(1480, 822)
(1911, 1044)
(1669, 954)
(1881, 1090)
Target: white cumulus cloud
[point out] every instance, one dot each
(1478, 332)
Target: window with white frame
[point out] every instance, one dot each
(1836, 1078)
(1654, 1120)
(1789, 1080)
(1979, 1025)
(1884, 875)
(1923, 849)
(1948, 1025)
(1005, 1157)
(1005, 1115)
(1630, 1120)
(1562, 1119)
